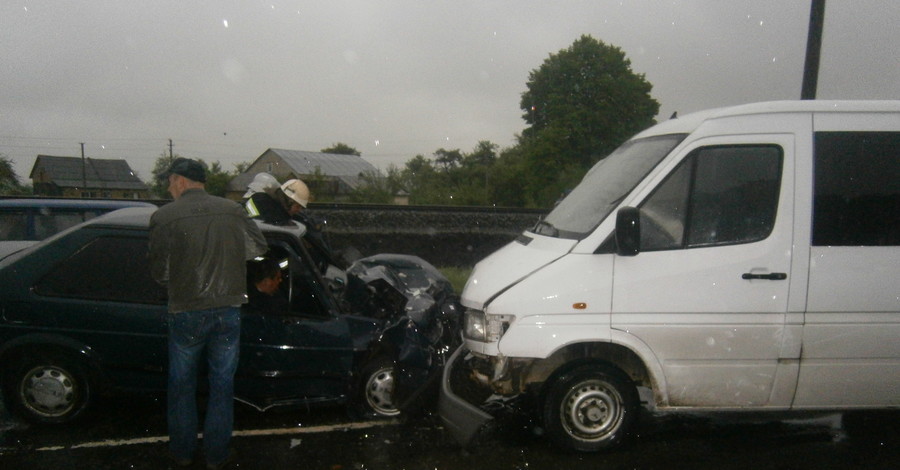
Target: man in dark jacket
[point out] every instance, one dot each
(199, 245)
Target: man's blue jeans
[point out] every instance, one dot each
(218, 332)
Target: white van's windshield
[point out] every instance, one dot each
(604, 186)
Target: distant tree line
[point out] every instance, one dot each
(579, 105)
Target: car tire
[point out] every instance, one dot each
(590, 408)
(48, 388)
(378, 388)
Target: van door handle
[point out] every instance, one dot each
(770, 276)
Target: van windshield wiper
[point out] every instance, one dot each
(545, 228)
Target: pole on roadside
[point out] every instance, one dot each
(83, 171)
(813, 50)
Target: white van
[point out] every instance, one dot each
(745, 258)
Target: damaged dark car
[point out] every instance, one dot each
(80, 316)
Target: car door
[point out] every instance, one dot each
(302, 354)
(100, 294)
(708, 293)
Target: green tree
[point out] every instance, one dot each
(420, 180)
(580, 104)
(9, 180)
(341, 149)
(447, 160)
(241, 167)
(159, 187)
(216, 178)
(484, 154)
(375, 188)
(452, 177)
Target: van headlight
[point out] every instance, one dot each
(486, 327)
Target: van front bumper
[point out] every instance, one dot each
(463, 420)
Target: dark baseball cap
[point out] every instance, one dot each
(190, 169)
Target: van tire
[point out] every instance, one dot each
(48, 388)
(590, 408)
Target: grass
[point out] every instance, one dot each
(457, 276)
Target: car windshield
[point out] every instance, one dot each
(604, 186)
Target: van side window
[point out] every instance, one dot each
(13, 225)
(857, 189)
(47, 222)
(717, 196)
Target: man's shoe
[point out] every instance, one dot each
(180, 462)
(218, 466)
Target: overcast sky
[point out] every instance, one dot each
(228, 79)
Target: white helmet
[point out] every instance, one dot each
(296, 190)
(262, 182)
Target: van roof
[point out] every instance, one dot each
(689, 122)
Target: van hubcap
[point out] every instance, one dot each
(592, 410)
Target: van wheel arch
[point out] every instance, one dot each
(601, 354)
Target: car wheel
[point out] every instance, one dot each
(48, 389)
(590, 408)
(378, 388)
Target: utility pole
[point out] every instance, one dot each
(171, 157)
(83, 171)
(813, 48)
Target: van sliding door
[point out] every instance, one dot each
(851, 351)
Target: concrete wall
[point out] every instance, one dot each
(442, 236)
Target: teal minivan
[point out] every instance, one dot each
(27, 220)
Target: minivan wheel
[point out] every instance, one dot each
(378, 388)
(48, 389)
(590, 408)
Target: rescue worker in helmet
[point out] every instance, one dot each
(296, 197)
(282, 205)
(273, 203)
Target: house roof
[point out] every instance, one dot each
(331, 164)
(343, 167)
(71, 172)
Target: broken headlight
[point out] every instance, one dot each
(485, 327)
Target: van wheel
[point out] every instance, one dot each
(590, 408)
(378, 388)
(48, 388)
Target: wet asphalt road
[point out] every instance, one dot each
(129, 433)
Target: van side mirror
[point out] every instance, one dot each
(628, 231)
